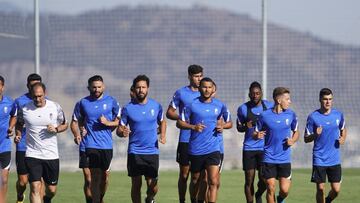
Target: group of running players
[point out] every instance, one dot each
(271, 129)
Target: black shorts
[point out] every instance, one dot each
(200, 162)
(252, 159)
(99, 158)
(46, 169)
(83, 160)
(333, 173)
(143, 164)
(20, 163)
(276, 170)
(182, 155)
(5, 160)
(221, 162)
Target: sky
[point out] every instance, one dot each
(334, 20)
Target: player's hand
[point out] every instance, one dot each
(162, 139)
(77, 139)
(103, 120)
(10, 132)
(249, 124)
(83, 131)
(318, 131)
(341, 140)
(260, 134)
(290, 142)
(219, 126)
(51, 129)
(125, 131)
(199, 127)
(17, 139)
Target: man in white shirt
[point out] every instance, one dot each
(43, 119)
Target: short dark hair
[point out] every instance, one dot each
(254, 84)
(95, 78)
(38, 84)
(33, 77)
(141, 78)
(207, 79)
(280, 91)
(324, 91)
(2, 80)
(194, 69)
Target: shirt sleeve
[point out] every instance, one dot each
(342, 122)
(13, 111)
(259, 124)
(294, 123)
(116, 110)
(309, 129)
(60, 115)
(226, 114)
(124, 117)
(241, 115)
(185, 114)
(175, 102)
(160, 116)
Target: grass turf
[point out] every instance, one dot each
(70, 188)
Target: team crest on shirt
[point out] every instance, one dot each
(287, 121)
(5, 109)
(337, 122)
(51, 116)
(216, 111)
(104, 106)
(152, 112)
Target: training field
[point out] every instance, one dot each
(70, 187)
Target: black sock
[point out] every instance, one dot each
(200, 201)
(182, 201)
(279, 199)
(89, 200)
(47, 199)
(328, 200)
(193, 201)
(20, 198)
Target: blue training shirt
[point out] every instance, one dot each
(7, 110)
(251, 144)
(183, 97)
(326, 150)
(207, 141)
(143, 120)
(76, 115)
(19, 103)
(98, 135)
(278, 128)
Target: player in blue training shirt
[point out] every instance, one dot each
(253, 149)
(326, 127)
(202, 117)
(278, 126)
(7, 124)
(99, 114)
(182, 97)
(22, 172)
(226, 123)
(143, 115)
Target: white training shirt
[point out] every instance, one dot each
(39, 142)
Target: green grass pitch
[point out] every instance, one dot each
(231, 190)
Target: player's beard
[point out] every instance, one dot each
(141, 97)
(96, 94)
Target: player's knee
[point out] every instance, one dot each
(320, 189)
(284, 192)
(270, 188)
(51, 191)
(336, 191)
(213, 182)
